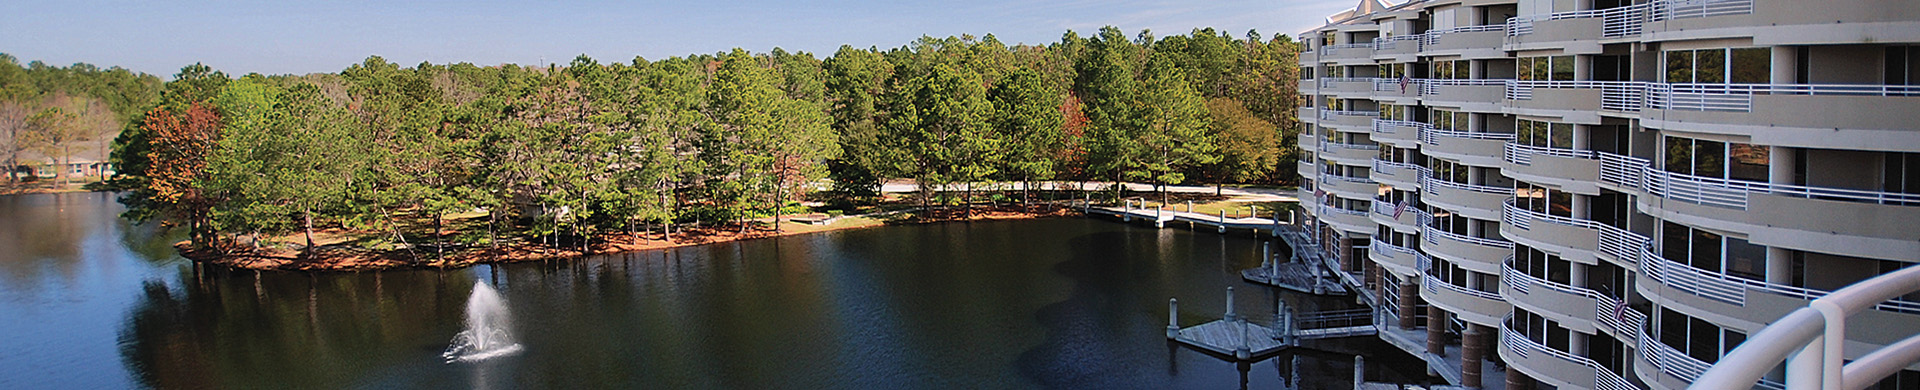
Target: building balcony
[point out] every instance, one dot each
(1472, 42)
(1468, 147)
(1823, 219)
(1577, 308)
(1406, 219)
(1748, 305)
(1662, 367)
(1575, 101)
(1573, 170)
(1349, 187)
(1309, 86)
(1572, 238)
(1472, 200)
(1483, 255)
(1308, 115)
(1401, 260)
(1557, 368)
(1475, 306)
(1400, 48)
(1349, 154)
(1764, 108)
(1347, 87)
(1854, 20)
(1405, 134)
(1348, 54)
(1577, 32)
(1352, 221)
(1356, 121)
(1398, 91)
(1398, 174)
(1479, 95)
(1304, 168)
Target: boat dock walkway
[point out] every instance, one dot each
(1237, 338)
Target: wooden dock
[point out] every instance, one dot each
(1296, 276)
(1160, 216)
(1235, 338)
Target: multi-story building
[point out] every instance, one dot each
(1612, 194)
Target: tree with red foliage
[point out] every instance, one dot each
(178, 151)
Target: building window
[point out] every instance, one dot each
(1389, 111)
(1541, 199)
(1555, 68)
(1448, 120)
(1697, 338)
(1454, 69)
(1751, 65)
(1902, 173)
(1709, 158)
(1545, 134)
(1712, 252)
(1903, 65)
(1451, 171)
(1542, 265)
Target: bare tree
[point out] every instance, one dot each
(13, 121)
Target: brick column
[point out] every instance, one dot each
(1518, 381)
(1473, 351)
(1436, 331)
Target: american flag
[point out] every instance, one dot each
(1319, 193)
(1403, 83)
(1400, 208)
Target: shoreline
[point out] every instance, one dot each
(358, 260)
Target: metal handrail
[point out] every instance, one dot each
(1327, 114)
(1430, 135)
(1432, 37)
(1522, 154)
(1815, 335)
(1685, 9)
(1383, 246)
(1433, 182)
(1628, 319)
(1432, 234)
(1603, 378)
(1733, 289)
(1434, 286)
(1330, 144)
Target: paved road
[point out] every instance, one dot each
(1237, 194)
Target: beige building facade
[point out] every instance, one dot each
(1612, 194)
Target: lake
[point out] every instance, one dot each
(88, 300)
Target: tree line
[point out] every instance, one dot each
(58, 113)
(562, 153)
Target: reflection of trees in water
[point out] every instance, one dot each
(244, 329)
(43, 233)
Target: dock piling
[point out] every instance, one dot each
(1173, 317)
(1230, 315)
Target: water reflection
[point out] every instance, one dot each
(1065, 303)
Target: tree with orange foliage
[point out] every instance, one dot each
(178, 148)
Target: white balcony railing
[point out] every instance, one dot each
(1603, 378)
(1328, 146)
(1432, 37)
(1739, 97)
(1622, 96)
(1431, 135)
(1522, 154)
(1431, 182)
(1433, 236)
(1329, 114)
(1432, 86)
(1683, 9)
(1609, 311)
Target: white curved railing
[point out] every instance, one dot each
(1327, 146)
(1523, 218)
(1433, 236)
(1603, 378)
(1432, 86)
(1739, 97)
(1814, 335)
(1607, 310)
(1522, 154)
(1623, 96)
(1432, 37)
(1733, 289)
(1384, 247)
(1431, 135)
(1392, 42)
(1329, 114)
(1327, 82)
(1385, 126)
(1431, 182)
(1639, 173)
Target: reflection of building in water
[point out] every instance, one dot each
(1612, 193)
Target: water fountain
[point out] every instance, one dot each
(489, 329)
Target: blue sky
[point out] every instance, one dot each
(307, 36)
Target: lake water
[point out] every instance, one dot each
(88, 300)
